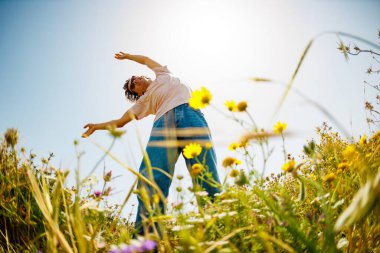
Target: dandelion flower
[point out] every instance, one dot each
(229, 161)
(196, 169)
(329, 177)
(234, 146)
(289, 166)
(200, 98)
(279, 127)
(349, 152)
(342, 166)
(231, 105)
(192, 150)
(234, 173)
(208, 145)
(363, 140)
(242, 106)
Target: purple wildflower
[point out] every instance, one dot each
(148, 245)
(131, 249)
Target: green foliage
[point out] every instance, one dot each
(38, 212)
(20, 215)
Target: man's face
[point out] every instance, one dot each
(139, 84)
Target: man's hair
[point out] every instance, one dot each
(130, 95)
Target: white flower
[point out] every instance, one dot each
(233, 213)
(90, 204)
(202, 194)
(228, 201)
(338, 203)
(207, 217)
(195, 220)
(342, 243)
(317, 199)
(220, 215)
(180, 228)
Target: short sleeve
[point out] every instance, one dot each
(163, 70)
(140, 109)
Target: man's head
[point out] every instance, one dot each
(135, 87)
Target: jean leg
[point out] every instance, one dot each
(160, 157)
(187, 117)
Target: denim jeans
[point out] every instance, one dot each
(169, 129)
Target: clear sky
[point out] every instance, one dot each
(57, 70)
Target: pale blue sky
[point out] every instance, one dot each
(57, 70)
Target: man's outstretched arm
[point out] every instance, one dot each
(126, 118)
(139, 59)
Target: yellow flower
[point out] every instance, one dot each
(313, 177)
(233, 146)
(115, 133)
(208, 145)
(156, 198)
(243, 142)
(234, 173)
(200, 98)
(349, 152)
(242, 106)
(231, 105)
(196, 169)
(279, 127)
(329, 177)
(342, 166)
(375, 137)
(289, 166)
(192, 150)
(363, 140)
(229, 161)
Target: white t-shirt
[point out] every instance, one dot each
(163, 94)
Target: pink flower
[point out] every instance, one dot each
(97, 194)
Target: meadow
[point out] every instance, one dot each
(326, 199)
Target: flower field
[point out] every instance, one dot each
(326, 200)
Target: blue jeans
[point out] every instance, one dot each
(171, 129)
